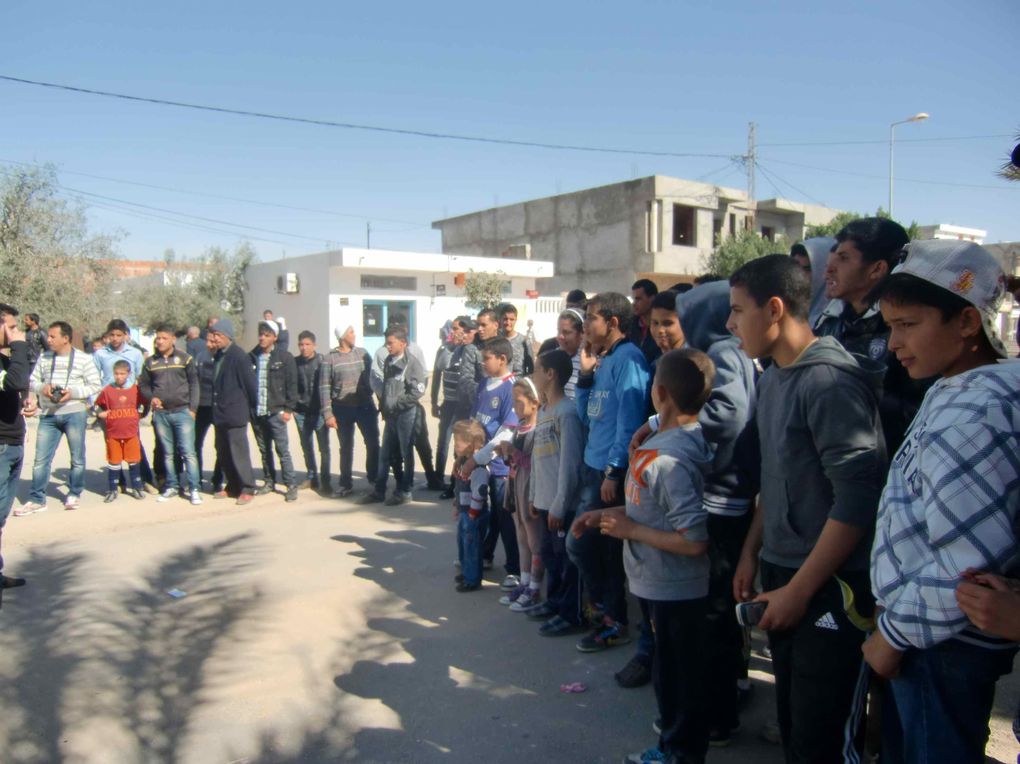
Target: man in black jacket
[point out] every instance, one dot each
(14, 375)
(403, 386)
(311, 423)
(276, 397)
(169, 379)
(233, 397)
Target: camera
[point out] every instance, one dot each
(750, 613)
(56, 393)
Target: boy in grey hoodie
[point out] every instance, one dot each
(822, 465)
(664, 527)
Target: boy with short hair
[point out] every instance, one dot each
(665, 529)
(822, 460)
(311, 424)
(494, 410)
(951, 505)
(612, 401)
(403, 385)
(118, 405)
(523, 361)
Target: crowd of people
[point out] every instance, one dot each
(824, 445)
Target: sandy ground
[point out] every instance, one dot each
(313, 631)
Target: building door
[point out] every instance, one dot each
(378, 314)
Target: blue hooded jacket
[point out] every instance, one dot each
(703, 313)
(612, 405)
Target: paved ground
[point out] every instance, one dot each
(314, 631)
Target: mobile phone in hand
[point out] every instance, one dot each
(750, 613)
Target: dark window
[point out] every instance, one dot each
(406, 283)
(733, 224)
(684, 225)
(768, 232)
(716, 230)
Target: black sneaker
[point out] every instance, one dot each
(543, 612)
(135, 493)
(291, 493)
(608, 634)
(720, 738)
(11, 582)
(446, 494)
(111, 496)
(265, 488)
(371, 498)
(463, 587)
(637, 673)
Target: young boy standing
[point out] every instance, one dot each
(822, 460)
(523, 361)
(950, 506)
(118, 405)
(665, 530)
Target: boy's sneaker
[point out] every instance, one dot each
(512, 596)
(29, 508)
(609, 634)
(527, 602)
(558, 626)
(111, 496)
(292, 494)
(637, 673)
(397, 498)
(542, 611)
(195, 498)
(72, 503)
(463, 587)
(594, 613)
(720, 738)
(642, 757)
(135, 493)
(510, 583)
(167, 494)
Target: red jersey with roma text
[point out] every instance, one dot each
(122, 403)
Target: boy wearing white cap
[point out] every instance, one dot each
(950, 505)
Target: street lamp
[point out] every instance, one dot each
(919, 117)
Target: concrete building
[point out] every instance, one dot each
(370, 288)
(604, 238)
(948, 231)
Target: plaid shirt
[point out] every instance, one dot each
(950, 503)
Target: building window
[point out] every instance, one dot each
(404, 283)
(768, 233)
(684, 219)
(733, 224)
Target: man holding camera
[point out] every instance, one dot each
(63, 380)
(14, 373)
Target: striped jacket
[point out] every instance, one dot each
(950, 503)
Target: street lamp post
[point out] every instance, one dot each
(919, 117)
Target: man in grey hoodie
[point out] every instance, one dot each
(822, 465)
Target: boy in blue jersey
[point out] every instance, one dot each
(612, 400)
(494, 410)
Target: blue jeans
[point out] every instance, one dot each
(271, 431)
(599, 559)
(398, 439)
(51, 427)
(311, 426)
(943, 697)
(10, 468)
(176, 431)
(469, 544)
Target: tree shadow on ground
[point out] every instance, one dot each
(77, 650)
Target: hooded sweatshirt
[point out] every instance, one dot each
(822, 451)
(818, 251)
(663, 491)
(729, 410)
(952, 502)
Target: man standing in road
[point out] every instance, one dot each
(276, 387)
(234, 395)
(14, 375)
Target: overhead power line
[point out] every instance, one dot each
(355, 126)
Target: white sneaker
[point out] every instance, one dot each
(168, 493)
(530, 600)
(72, 502)
(29, 508)
(196, 498)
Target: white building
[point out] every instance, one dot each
(370, 288)
(954, 232)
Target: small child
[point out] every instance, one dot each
(556, 460)
(471, 506)
(665, 555)
(118, 405)
(527, 596)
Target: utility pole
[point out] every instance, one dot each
(368, 234)
(751, 159)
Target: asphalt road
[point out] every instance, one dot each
(307, 632)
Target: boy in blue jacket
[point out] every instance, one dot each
(612, 400)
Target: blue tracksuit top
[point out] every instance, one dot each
(613, 405)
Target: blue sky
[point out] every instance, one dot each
(650, 74)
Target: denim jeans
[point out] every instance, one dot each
(501, 526)
(10, 468)
(270, 431)
(598, 558)
(176, 432)
(313, 426)
(469, 544)
(398, 438)
(563, 587)
(51, 427)
(446, 419)
(943, 698)
(367, 420)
